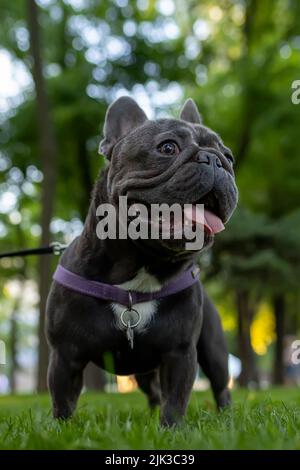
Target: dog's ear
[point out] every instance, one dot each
(190, 112)
(122, 116)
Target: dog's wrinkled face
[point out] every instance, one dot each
(168, 161)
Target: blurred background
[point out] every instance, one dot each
(61, 63)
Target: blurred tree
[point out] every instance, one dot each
(258, 259)
(48, 151)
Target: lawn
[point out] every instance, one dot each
(258, 420)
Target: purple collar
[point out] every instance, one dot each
(116, 294)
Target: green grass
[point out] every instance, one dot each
(258, 420)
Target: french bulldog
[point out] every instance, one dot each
(151, 162)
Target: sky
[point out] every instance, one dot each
(14, 78)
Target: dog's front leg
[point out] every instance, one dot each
(177, 375)
(65, 379)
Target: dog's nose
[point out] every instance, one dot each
(208, 158)
(202, 157)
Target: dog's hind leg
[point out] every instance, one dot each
(213, 353)
(150, 385)
(65, 379)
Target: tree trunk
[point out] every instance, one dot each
(94, 377)
(48, 149)
(13, 347)
(279, 310)
(85, 175)
(246, 354)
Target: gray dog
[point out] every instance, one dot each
(151, 162)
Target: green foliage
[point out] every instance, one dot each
(256, 252)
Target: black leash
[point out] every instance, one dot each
(54, 248)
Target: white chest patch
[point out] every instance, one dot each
(142, 282)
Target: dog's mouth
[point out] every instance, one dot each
(203, 212)
(209, 217)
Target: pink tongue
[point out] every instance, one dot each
(211, 222)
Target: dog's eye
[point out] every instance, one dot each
(229, 156)
(168, 148)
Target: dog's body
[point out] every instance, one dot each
(175, 333)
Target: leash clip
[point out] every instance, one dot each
(57, 248)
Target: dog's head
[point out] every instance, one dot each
(169, 161)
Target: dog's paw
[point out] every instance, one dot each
(223, 399)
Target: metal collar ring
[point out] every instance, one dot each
(133, 325)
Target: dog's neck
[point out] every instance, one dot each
(115, 261)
